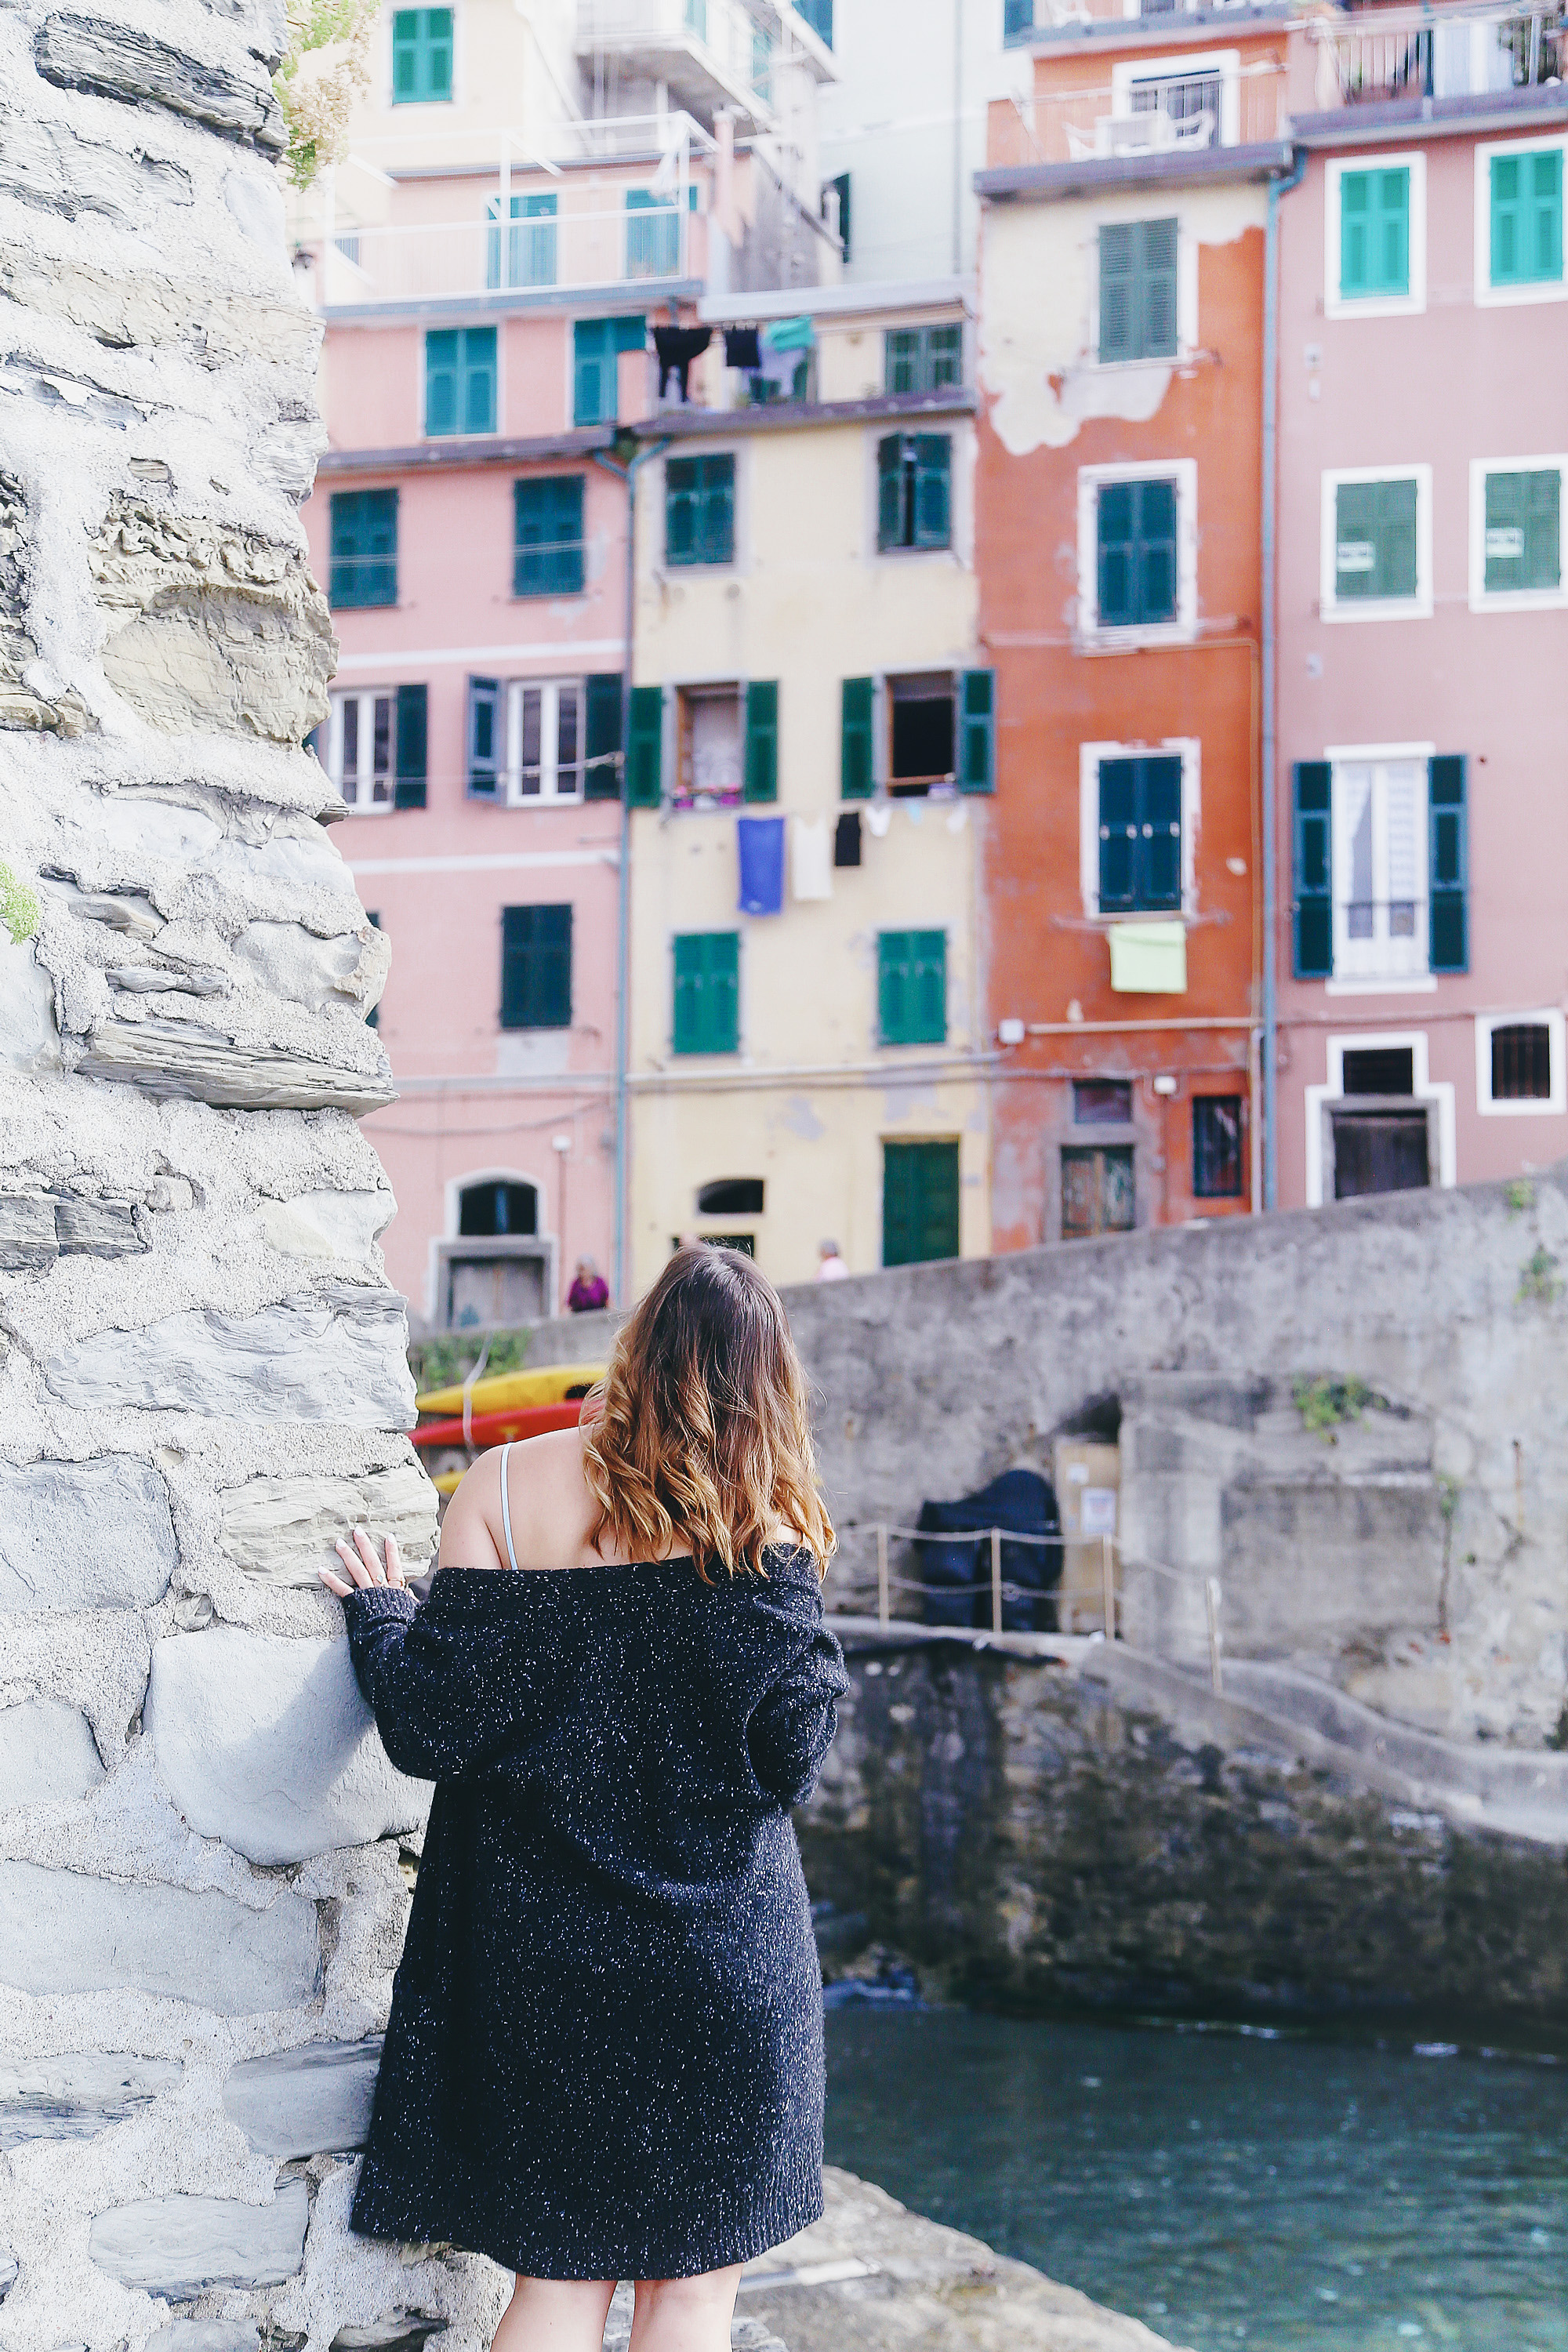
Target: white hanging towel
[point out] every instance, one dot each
(880, 816)
(810, 857)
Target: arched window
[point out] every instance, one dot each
(489, 1210)
(730, 1196)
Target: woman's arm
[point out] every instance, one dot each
(791, 1727)
(432, 1709)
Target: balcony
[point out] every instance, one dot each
(1144, 112)
(1421, 52)
(707, 53)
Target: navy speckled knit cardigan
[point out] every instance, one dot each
(604, 2055)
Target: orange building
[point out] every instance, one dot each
(1118, 524)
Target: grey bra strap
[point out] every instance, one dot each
(505, 1507)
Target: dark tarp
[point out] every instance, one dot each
(1023, 1503)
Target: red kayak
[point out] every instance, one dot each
(497, 1428)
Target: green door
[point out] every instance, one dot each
(920, 1201)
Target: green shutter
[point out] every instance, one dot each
(1374, 540)
(911, 988)
(421, 55)
(977, 725)
(477, 375)
(1156, 535)
(1374, 233)
(1117, 288)
(412, 758)
(592, 372)
(1118, 835)
(699, 510)
(484, 736)
(891, 490)
(1313, 930)
(548, 536)
(857, 778)
(933, 501)
(645, 747)
(716, 534)
(1522, 548)
(1138, 290)
(364, 567)
(536, 968)
(919, 1202)
(438, 53)
(1158, 257)
(405, 56)
(1135, 553)
(602, 774)
(762, 771)
(1116, 556)
(441, 382)
(707, 992)
(1527, 217)
(1448, 864)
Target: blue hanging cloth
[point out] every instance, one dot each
(762, 846)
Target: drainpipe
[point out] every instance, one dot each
(1270, 1072)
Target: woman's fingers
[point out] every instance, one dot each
(393, 1564)
(374, 1572)
(333, 1584)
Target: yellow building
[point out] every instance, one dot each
(811, 731)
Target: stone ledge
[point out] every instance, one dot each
(179, 2245)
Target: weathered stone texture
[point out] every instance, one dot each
(205, 2335)
(84, 1535)
(178, 2246)
(173, 1060)
(63, 1932)
(47, 1754)
(281, 1531)
(267, 1744)
(112, 61)
(77, 2096)
(307, 2101)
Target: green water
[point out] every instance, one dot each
(1293, 2194)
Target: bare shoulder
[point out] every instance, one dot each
(546, 1499)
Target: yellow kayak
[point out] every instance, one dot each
(507, 1390)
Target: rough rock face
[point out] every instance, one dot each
(204, 1852)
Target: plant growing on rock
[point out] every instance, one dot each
(1537, 1278)
(324, 69)
(1325, 1404)
(19, 908)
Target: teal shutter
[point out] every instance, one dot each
(1138, 290)
(645, 747)
(592, 372)
(602, 729)
(1136, 554)
(977, 726)
(1374, 540)
(477, 373)
(1523, 542)
(933, 503)
(536, 968)
(1448, 862)
(1374, 233)
(919, 1202)
(438, 53)
(364, 566)
(856, 779)
(1118, 835)
(413, 732)
(1527, 218)
(911, 988)
(716, 535)
(707, 992)
(1313, 930)
(441, 382)
(762, 772)
(405, 56)
(1158, 258)
(900, 360)
(889, 490)
(681, 516)
(1140, 834)
(421, 55)
(548, 536)
(700, 510)
(484, 736)
(1118, 290)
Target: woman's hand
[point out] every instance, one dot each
(361, 1566)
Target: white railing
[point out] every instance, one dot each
(1434, 53)
(524, 250)
(1151, 114)
(719, 32)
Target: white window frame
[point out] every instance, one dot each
(1424, 1089)
(1183, 472)
(1141, 209)
(1376, 306)
(1386, 608)
(549, 690)
(367, 697)
(1515, 600)
(1488, 296)
(1341, 982)
(1138, 72)
(1090, 755)
(1551, 1106)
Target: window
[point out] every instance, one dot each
(818, 14)
(547, 517)
(1519, 1066)
(536, 968)
(927, 730)
(1380, 1151)
(1377, 545)
(526, 740)
(1098, 1195)
(1516, 534)
(840, 185)
(730, 1196)
(376, 748)
(914, 502)
(1519, 223)
(421, 55)
(525, 255)
(1137, 548)
(459, 380)
(911, 988)
(1381, 865)
(1138, 293)
(700, 510)
(1018, 19)
(710, 747)
(597, 346)
(922, 359)
(1378, 1070)
(763, 65)
(1196, 100)
(489, 1210)
(1375, 238)
(364, 548)
(653, 235)
(707, 992)
(1216, 1147)
(1140, 835)
(1102, 1102)
(921, 733)
(919, 1202)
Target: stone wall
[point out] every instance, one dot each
(204, 1854)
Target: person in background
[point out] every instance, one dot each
(589, 1289)
(830, 1266)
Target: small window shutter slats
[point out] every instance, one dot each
(1140, 834)
(707, 992)
(1156, 551)
(413, 734)
(919, 1202)
(1523, 544)
(912, 987)
(716, 533)
(1116, 556)
(536, 968)
(645, 747)
(1527, 217)
(484, 736)
(602, 775)
(1160, 833)
(977, 721)
(364, 569)
(548, 536)
(479, 378)
(1375, 540)
(1138, 307)
(1543, 227)
(1135, 553)
(932, 518)
(1118, 834)
(889, 490)
(699, 509)
(1374, 233)
(1313, 930)
(1448, 862)
(596, 344)
(1159, 289)
(441, 381)
(405, 56)
(1392, 231)
(1117, 287)
(761, 770)
(438, 53)
(856, 779)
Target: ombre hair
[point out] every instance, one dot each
(700, 1429)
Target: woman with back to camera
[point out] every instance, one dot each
(604, 2055)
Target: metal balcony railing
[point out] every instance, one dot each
(720, 33)
(1422, 52)
(1146, 113)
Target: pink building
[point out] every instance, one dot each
(1422, 598)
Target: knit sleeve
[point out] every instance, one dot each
(431, 1708)
(791, 1728)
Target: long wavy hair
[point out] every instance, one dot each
(700, 1430)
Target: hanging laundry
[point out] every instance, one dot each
(743, 349)
(785, 342)
(880, 816)
(790, 335)
(677, 348)
(761, 844)
(810, 864)
(846, 839)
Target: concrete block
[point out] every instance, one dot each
(205, 2335)
(266, 1743)
(47, 1754)
(178, 2246)
(115, 61)
(63, 1932)
(84, 1535)
(336, 1354)
(310, 2102)
(280, 1530)
(77, 2095)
